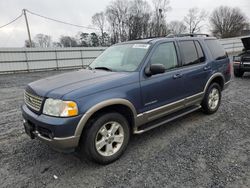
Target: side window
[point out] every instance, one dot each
(189, 53)
(216, 49)
(165, 54)
(201, 55)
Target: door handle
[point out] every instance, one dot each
(176, 76)
(206, 68)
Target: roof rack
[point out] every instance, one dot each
(153, 37)
(172, 36)
(188, 35)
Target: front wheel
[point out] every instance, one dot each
(212, 99)
(106, 138)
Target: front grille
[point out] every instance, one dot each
(246, 58)
(247, 65)
(33, 101)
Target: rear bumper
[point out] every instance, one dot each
(56, 132)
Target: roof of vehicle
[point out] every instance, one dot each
(168, 38)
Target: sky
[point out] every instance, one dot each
(80, 12)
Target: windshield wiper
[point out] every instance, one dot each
(103, 68)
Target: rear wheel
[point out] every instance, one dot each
(238, 73)
(212, 99)
(106, 138)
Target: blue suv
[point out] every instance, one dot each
(130, 88)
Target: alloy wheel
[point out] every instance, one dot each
(109, 138)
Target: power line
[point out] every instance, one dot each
(10, 33)
(59, 21)
(12, 21)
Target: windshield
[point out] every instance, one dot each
(125, 57)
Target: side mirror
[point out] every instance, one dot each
(155, 69)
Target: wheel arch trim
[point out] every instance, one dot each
(216, 75)
(99, 106)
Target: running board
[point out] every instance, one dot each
(166, 119)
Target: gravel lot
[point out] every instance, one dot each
(194, 151)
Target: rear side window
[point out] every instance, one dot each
(216, 49)
(189, 53)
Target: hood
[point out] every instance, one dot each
(246, 43)
(87, 81)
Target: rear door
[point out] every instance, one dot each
(195, 67)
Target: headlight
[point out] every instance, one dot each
(56, 107)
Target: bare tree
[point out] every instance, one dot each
(99, 20)
(112, 20)
(139, 19)
(227, 22)
(84, 39)
(68, 41)
(177, 27)
(56, 45)
(195, 19)
(106, 39)
(117, 16)
(94, 40)
(133, 19)
(42, 40)
(158, 24)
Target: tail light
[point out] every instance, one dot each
(229, 68)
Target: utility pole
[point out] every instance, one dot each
(27, 25)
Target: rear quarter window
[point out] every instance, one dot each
(200, 52)
(216, 49)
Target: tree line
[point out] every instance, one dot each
(124, 20)
(80, 40)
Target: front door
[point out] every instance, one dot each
(162, 93)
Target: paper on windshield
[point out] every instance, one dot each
(143, 46)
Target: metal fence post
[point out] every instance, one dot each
(27, 60)
(57, 67)
(81, 51)
(233, 46)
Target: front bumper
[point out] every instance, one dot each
(56, 132)
(243, 66)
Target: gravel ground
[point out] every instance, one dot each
(194, 151)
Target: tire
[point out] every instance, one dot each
(212, 99)
(238, 73)
(105, 138)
